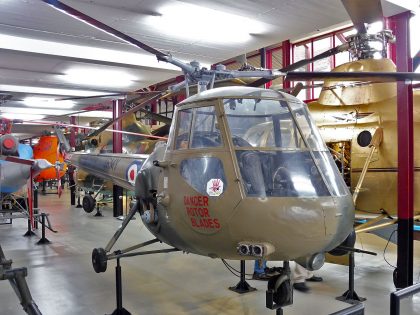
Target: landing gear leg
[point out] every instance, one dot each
(101, 256)
(242, 286)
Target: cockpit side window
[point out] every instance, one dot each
(184, 125)
(198, 128)
(205, 132)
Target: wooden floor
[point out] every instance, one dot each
(63, 282)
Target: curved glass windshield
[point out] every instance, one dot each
(198, 128)
(272, 150)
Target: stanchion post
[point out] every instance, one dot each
(43, 239)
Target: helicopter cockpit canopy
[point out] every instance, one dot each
(278, 149)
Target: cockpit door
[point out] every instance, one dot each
(202, 181)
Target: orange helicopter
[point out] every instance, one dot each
(49, 148)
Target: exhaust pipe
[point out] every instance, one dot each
(244, 250)
(258, 250)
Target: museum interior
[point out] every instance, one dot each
(209, 157)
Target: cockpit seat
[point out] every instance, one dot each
(252, 173)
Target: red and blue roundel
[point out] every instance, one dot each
(132, 170)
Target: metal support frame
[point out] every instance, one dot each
(24, 213)
(350, 296)
(117, 111)
(29, 232)
(401, 294)
(242, 286)
(43, 239)
(98, 211)
(120, 310)
(357, 309)
(106, 253)
(404, 271)
(286, 52)
(18, 282)
(101, 256)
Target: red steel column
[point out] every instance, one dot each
(392, 49)
(404, 271)
(117, 148)
(117, 107)
(73, 132)
(263, 61)
(266, 58)
(285, 49)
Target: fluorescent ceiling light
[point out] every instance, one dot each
(99, 77)
(203, 24)
(21, 116)
(42, 102)
(92, 54)
(50, 91)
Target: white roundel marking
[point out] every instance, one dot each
(132, 173)
(214, 187)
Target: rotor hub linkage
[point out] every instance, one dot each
(366, 46)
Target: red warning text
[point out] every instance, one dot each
(198, 212)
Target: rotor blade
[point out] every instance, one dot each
(363, 11)
(105, 95)
(93, 128)
(62, 139)
(323, 55)
(162, 131)
(353, 76)
(15, 159)
(154, 116)
(56, 4)
(133, 110)
(259, 82)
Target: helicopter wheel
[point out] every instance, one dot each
(99, 260)
(88, 203)
(282, 291)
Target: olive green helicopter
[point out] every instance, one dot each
(217, 188)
